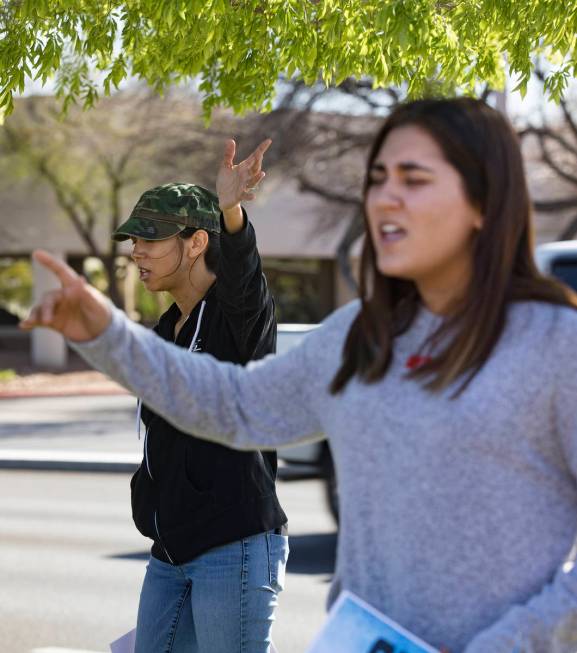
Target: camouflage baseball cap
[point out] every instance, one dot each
(165, 211)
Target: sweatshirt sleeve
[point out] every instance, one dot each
(548, 620)
(242, 291)
(265, 405)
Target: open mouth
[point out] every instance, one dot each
(391, 232)
(143, 273)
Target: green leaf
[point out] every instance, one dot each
(241, 46)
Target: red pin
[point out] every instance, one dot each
(414, 361)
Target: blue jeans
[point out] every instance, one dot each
(221, 602)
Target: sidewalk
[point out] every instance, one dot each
(77, 380)
(77, 420)
(91, 430)
(61, 384)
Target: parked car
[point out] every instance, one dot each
(308, 460)
(558, 259)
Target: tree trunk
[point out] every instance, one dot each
(570, 230)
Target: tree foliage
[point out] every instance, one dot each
(239, 48)
(15, 287)
(324, 151)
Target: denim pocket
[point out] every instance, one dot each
(278, 551)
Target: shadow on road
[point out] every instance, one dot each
(137, 555)
(309, 554)
(312, 554)
(64, 427)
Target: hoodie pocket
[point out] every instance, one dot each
(142, 498)
(200, 466)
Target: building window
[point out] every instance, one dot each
(303, 289)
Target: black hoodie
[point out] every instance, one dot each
(189, 495)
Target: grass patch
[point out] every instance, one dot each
(7, 375)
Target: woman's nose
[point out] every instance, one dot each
(136, 252)
(386, 196)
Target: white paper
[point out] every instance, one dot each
(124, 644)
(354, 626)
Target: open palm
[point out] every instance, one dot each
(236, 183)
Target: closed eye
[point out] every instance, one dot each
(416, 182)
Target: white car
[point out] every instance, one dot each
(559, 259)
(307, 460)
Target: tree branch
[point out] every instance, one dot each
(552, 206)
(572, 179)
(568, 117)
(545, 132)
(306, 186)
(570, 230)
(84, 233)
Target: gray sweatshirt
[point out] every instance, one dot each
(457, 515)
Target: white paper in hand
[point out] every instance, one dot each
(124, 644)
(353, 626)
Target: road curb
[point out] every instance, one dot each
(115, 463)
(69, 461)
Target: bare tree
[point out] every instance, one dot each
(321, 137)
(557, 150)
(93, 160)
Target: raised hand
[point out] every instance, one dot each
(76, 310)
(237, 182)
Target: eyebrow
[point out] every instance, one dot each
(405, 166)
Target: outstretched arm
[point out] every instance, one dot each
(241, 288)
(76, 310)
(266, 405)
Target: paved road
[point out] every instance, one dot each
(90, 424)
(71, 562)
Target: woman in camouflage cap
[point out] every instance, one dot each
(219, 542)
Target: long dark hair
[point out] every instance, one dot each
(481, 145)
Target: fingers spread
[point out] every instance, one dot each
(229, 152)
(255, 180)
(263, 147)
(254, 161)
(260, 150)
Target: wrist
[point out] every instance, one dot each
(233, 218)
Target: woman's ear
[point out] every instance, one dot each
(196, 244)
(478, 220)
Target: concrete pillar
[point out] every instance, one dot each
(48, 347)
(130, 283)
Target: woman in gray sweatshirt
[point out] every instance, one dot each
(447, 392)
